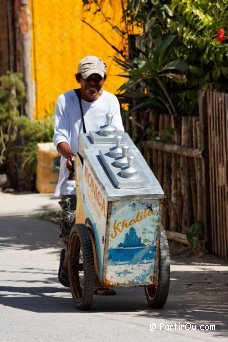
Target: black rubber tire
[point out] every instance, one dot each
(157, 295)
(81, 266)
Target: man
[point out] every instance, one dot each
(68, 124)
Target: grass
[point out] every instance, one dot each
(50, 216)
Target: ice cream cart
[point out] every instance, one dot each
(118, 240)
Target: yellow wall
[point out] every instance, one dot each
(60, 39)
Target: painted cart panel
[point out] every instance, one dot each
(92, 204)
(131, 243)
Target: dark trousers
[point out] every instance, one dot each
(68, 205)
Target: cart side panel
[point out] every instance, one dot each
(80, 214)
(94, 201)
(132, 247)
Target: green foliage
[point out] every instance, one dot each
(152, 76)
(193, 24)
(177, 52)
(166, 136)
(31, 133)
(194, 233)
(50, 216)
(19, 135)
(12, 91)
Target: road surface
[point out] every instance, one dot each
(35, 307)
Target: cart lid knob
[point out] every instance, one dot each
(118, 140)
(130, 160)
(117, 150)
(124, 150)
(108, 130)
(128, 170)
(109, 118)
(121, 160)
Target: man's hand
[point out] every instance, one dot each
(65, 150)
(70, 164)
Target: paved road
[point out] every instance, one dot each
(35, 307)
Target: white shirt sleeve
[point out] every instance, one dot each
(61, 123)
(117, 120)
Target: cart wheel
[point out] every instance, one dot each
(81, 266)
(156, 295)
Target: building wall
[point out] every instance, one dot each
(60, 39)
(4, 41)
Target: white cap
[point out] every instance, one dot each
(91, 65)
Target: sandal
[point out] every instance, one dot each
(63, 274)
(104, 291)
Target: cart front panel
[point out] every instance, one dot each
(131, 248)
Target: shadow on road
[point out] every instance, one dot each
(21, 232)
(196, 304)
(197, 297)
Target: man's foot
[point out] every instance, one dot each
(63, 273)
(104, 291)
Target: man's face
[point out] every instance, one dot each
(91, 87)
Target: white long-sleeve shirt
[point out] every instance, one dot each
(68, 125)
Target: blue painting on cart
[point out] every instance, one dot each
(132, 242)
(131, 250)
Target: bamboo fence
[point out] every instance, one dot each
(214, 109)
(179, 168)
(192, 168)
